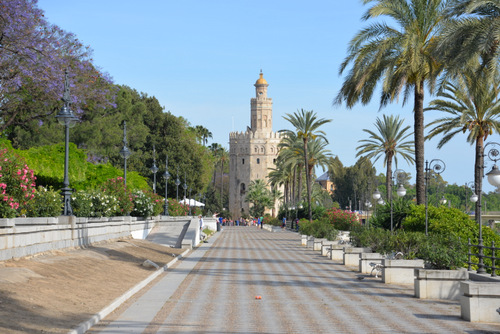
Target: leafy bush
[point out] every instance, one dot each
(144, 204)
(400, 210)
(269, 220)
(46, 203)
(177, 209)
(318, 229)
(116, 188)
(17, 184)
(342, 220)
(94, 203)
(443, 252)
(378, 239)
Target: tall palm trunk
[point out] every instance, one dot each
(419, 141)
(388, 178)
(308, 180)
(478, 174)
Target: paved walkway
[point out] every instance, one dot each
(214, 291)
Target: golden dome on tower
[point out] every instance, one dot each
(261, 80)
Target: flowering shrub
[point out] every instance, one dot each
(115, 187)
(342, 220)
(94, 204)
(143, 204)
(17, 184)
(177, 209)
(46, 203)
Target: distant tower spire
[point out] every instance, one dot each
(261, 107)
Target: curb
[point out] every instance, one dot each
(86, 325)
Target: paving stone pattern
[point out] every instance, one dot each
(302, 292)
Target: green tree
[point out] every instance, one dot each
(471, 36)
(400, 57)
(290, 154)
(306, 125)
(388, 142)
(259, 196)
(470, 105)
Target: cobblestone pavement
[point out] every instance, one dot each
(302, 292)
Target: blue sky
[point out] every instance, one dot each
(201, 58)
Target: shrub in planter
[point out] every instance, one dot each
(342, 220)
(318, 229)
(378, 239)
(45, 203)
(269, 220)
(443, 252)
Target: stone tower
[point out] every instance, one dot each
(252, 153)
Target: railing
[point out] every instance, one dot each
(481, 255)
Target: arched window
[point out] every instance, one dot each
(258, 161)
(242, 189)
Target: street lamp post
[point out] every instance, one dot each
(190, 201)
(185, 186)
(154, 169)
(471, 186)
(166, 175)
(437, 166)
(68, 119)
(494, 179)
(125, 152)
(401, 191)
(177, 183)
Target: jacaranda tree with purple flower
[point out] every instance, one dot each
(33, 57)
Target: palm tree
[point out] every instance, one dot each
(291, 153)
(471, 37)
(260, 196)
(306, 128)
(401, 58)
(318, 155)
(471, 105)
(390, 141)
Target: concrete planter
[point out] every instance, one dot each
(318, 243)
(310, 242)
(479, 301)
(400, 271)
(325, 247)
(337, 252)
(439, 284)
(352, 255)
(366, 258)
(304, 239)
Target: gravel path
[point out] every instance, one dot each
(302, 292)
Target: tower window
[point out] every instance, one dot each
(274, 161)
(258, 161)
(242, 161)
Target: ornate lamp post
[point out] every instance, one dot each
(437, 166)
(125, 152)
(166, 175)
(401, 191)
(494, 179)
(471, 186)
(154, 169)
(68, 119)
(177, 182)
(190, 201)
(185, 186)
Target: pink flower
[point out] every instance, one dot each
(18, 172)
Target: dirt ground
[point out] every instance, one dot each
(56, 291)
